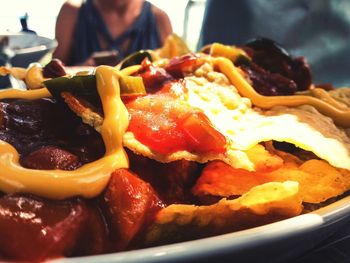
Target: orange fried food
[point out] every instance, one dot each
(263, 204)
(318, 180)
(264, 160)
(221, 179)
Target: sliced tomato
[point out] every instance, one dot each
(156, 130)
(167, 126)
(201, 136)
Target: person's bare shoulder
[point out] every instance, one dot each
(163, 21)
(70, 8)
(65, 25)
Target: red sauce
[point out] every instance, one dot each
(166, 125)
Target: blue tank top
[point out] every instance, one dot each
(143, 33)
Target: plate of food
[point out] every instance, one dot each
(228, 153)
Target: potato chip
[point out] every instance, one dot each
(220, 179)
(322, 181)
(263, 204)
(263, 160)
(318, 181)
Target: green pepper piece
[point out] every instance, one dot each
(135, 59)
(131, 85)
(82, 86)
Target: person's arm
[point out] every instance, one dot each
(65, 25)
(164, 25)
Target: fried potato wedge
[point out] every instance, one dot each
(318, 181)
(263, 204)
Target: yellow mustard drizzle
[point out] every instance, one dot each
(90, 179)
(340, 117)
(230, 52)
(325, 96)
(25, 94)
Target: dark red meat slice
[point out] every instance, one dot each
(267, 83)
(131, 205)
(178, 66)
(30, 125)
(33, 229)
(94, 238)
(153, 77)
(54, 69)
(172, 181)
(279, 66)
(50, 158)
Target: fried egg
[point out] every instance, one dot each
(245, 126)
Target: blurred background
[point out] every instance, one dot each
(42, 16)
(319, 30)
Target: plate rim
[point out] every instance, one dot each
(327, 216)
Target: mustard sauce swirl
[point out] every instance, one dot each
(340, 117)
(90, 179)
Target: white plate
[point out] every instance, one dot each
(276, 242)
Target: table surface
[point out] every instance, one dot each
(335, 249)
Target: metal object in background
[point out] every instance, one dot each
(24, 24)
(6, 54)
(21, 49)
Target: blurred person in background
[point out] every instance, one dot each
(316, 29)
(84, 28)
